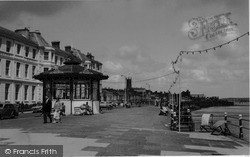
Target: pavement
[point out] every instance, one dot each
(136, 131)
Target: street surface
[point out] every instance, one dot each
(119, 132)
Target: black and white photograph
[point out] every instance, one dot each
(124, 78)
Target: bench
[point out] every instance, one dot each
(163, 111)
(217, 128)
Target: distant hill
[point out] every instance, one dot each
(236, 99)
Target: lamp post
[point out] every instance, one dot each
(125, 89)
(149, 93)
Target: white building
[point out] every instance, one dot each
(24, 54)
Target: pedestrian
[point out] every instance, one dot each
(47, 105)
(57, 113)
(63, 110)
(22, 106)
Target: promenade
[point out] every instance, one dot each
(135, 131)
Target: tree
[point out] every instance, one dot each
(186, 94)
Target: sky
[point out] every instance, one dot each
(140, 39)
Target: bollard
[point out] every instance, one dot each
(174, 119)
(225, 118)
(189, 115)
(241, 127)
(190, 121)
(171, 118)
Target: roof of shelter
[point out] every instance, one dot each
(15, 36)
(71, 69)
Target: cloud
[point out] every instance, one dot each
(185, 28)
(135, 59)
(128, 50)
(111, 66)
(196, 47)
(201, 75)
(115, 78)
(11, 10)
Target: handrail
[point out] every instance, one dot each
(174, 121)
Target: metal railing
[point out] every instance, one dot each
(238, 122)
(185, 120)
(239, 126)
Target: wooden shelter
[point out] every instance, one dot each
(74, 85)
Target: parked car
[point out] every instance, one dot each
(8, 111)
(37, 109)
(106, 105)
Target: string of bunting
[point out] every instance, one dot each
(174, 82)
(199, 51)
(143, 79)
(207, 50)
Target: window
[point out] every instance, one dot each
(61, 61)
(34, 54)
(33, 92)
(56, 59)
(17, 92)
(26, 70)
(18, 48)
(62, 89)
(7, 68)
(27, 49)
(81, 90)
(46, 56)
(26, 92)
(0, 67)
(0, 42)
(7, 88)
(95, 90)
(33, 70)
(45, 69)
(18, 69)
(52, 57)
(8, 46)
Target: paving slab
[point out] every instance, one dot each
(138, 131)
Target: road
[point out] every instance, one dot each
(121, 131)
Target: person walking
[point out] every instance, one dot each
(47, 105)
(22, 106)
(63, 110)
(57, 113)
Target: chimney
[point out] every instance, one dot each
(37, 32)
(68, 49)
(56, 44)
(90, 56)
(24, 32)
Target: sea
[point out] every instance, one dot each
(235, 110)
